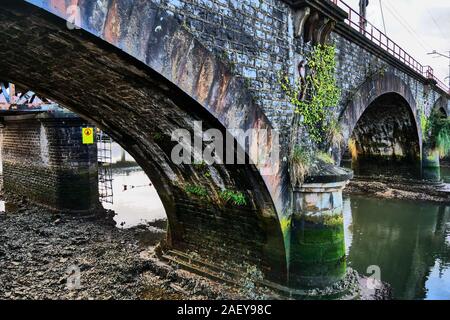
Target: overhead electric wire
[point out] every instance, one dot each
(407, 27)
(382, 16)
(436, 24)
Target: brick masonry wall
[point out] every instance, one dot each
(44, 160)
(257, 38)
(355, 65)
(141, 110)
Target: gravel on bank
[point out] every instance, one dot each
(391, 188)
(42, 253)
(45, 255)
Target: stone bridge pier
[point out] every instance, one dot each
(45, 161)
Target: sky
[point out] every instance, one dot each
(418, 26)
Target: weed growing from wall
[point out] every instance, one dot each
(315, 107)
(314, 97)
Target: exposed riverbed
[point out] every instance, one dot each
(41, 253)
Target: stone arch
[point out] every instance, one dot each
(441, 104)
(138, 74)
(379, 90)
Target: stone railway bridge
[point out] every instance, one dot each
(140, 69)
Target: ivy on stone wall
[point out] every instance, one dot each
(314, 97)
(437, 132)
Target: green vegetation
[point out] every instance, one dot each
(200, 166)
(314, 99)
(437, 132)
(157, 136)
(235, 197)
(300, 162)
(286, 224)
(423, 122)
(334, 134)
(207, 174)
(320, 93)
(324, 157)
(196, 190)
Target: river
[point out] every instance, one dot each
(409, 241)
(138, 202)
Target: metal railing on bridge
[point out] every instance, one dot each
(367, 29)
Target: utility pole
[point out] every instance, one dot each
(445, 56)
(363, 14)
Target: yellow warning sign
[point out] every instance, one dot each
(88, 135)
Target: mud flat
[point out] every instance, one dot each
(42, 254)
(394, 188)
(39, 252)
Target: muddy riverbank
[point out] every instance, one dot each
(43, 254)
(395, 188)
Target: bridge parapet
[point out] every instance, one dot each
(377, 37)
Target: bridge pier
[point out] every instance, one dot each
(45, 161)
(317, 248)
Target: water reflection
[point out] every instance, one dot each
(400, 171)
(135, 199)
(407, 240)
(445, 173)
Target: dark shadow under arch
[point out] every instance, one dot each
(441, 104)
(381, 122)
(386, 132)
(381, 85)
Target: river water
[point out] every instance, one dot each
(138, 202)
(135, 200)
(409, 241)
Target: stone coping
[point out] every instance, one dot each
(322, 172)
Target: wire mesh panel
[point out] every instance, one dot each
(105, 179)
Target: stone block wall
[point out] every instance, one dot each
(355, 65)
(45, 161)
(255, 37)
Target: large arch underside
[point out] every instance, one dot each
(140, 105)
(381, 128)
(442, 105)
(386, 132)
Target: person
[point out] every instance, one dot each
(363, 12)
